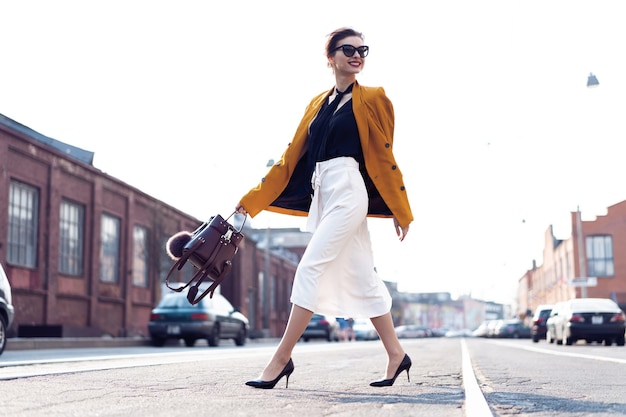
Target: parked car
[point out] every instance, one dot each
(589, 319)
(412, 331)
(459, 333)
(550, 321)
(211, 319)
(482, 330)
(515, 329)
(364, 330)
(540, 318)
(492, 326)
(321, 327)
(6, 308)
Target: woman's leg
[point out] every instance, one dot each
(298, 320)
(395, 353)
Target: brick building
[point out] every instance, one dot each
(596, 249)
(85, 256)
(84, 251)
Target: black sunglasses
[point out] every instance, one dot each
(349, 50)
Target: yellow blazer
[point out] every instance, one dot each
(374, 116)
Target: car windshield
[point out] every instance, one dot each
(544, 313)
(175, 301)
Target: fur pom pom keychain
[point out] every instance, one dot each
(176, 243)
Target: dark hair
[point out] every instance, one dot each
(337, 35)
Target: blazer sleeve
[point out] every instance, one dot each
(375, 120)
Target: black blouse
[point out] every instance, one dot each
(342, 137)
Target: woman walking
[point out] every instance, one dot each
(339, 169)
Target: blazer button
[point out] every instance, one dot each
(393, 167)
(263, 179)
(402, 188)
(277, 164)
(387, 145)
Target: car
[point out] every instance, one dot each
(589, 319)
(412, 331)
(459, 333)
(550, 321)
(6, 309)
(212, 319)
(540, 318)
(514, 329)
(364, 330)
(321, 327)
(482, 329)
(492, 326)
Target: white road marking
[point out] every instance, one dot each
(558, 353)
(475, 403)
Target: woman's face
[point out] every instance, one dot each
(344, 65)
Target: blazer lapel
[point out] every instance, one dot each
(360, 114)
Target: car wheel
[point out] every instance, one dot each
(157, 341)
(214, 337)
(190, 341)
(608, 341)
(620, 341)
(240, 340)
(3, 334)
(535, 339)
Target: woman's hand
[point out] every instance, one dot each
(240, 210)
(400, 231)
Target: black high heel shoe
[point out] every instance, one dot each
(405, 365)
(286, 372)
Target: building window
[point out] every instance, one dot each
(600, 256)
(22, 227)
(71, 232)
(140, 256)
(109, 249)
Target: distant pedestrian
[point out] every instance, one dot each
(350, 330)
(344, 329)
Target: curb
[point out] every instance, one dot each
(73, 342)
(24, 343)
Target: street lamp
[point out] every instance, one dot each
(266, 273)
(592, 81)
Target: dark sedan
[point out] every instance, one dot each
(588, 319)
(514, 329)
(321, 327)
(211, 319)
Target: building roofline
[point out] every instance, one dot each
(74, 152)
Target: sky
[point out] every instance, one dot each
(497, 135)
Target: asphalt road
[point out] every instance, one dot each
(449, 377)
(330, 379)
